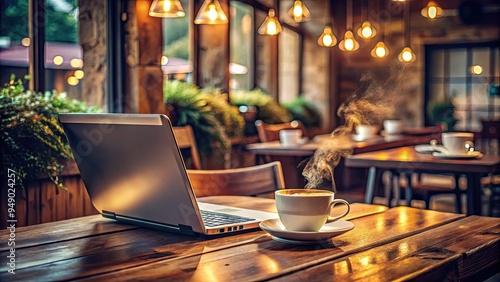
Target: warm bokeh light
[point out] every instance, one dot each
(271, 25)
(166, 9)
(26, 42)
(164, 60)
(380, 50)
(79, 74)
(432, 11)
(406, 55)
(76, 63)
(367, 31)
(349, 44)
(211, 13)
(299, 12)
(476, 69)
(327, 39)
(73, 81)
(58, 60)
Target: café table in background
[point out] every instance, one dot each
(406, 159)
(401, 243)
(293, 158)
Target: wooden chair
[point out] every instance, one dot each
(185, 140)
(246, 181)
(270, 132)
(488, 144)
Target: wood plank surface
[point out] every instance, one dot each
(261, 258)
(149, 254)
(451, 252)
(82, 252)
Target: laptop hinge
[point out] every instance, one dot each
(108, 214)
(185, 229)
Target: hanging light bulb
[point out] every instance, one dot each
(327, 38)
(299, 12)
(432, 11)
(271, 25)
(166, 9)
(380, 50)
(349, 44)
(367, 31)
(211, 13)
(407, 55)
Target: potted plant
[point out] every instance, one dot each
(442, 111)
(32, 141)
(303, 111)
(207, 111)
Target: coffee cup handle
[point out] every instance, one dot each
(332, 204)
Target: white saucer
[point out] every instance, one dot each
(359, 138)
(471, 155)
(428, 149)
(329, 230)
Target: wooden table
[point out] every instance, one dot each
(399, 243)
(406, 159)
(292, 158)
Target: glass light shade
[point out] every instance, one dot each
(299, 12)
(432, 11)
(380, 50)
(348, 44)
(327, 39)
(271, 25)
(166, 9)
(407, 55)
(211, 13)
(366, 30)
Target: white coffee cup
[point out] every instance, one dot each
(393, 126)
(458, 143)
(307, 209)
(290, 137)
(366, 130)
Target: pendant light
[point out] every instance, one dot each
(211, 13)
(327, 38)
(271, 25)
(407, 55)
(349, 43)
(299, 12)
(366, 30)
(166, 9)
(432, 11)
(380, 50)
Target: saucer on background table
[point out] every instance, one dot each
(278, 232)
(471, 155)
(359, 138)
(429, 149)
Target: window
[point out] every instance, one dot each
(466, 73)
(241, 46)
(288, 65)
(177, 48)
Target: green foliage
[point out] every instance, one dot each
(178, 48)
(32, 141)
(443, 112)
(304, 111)
(269, 110)
(228, 115)
(213, 120)
(60, 26)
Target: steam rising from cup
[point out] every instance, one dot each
(371, 104)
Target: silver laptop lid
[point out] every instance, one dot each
(133, 169)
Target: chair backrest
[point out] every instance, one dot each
(246, 181)
(185, 140)
(270, 132)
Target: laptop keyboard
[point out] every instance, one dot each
(212, 219)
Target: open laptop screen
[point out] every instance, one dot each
(132, 167)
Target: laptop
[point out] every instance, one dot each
(134, 173)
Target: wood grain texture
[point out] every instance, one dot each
(450, 252)
(129, 255)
